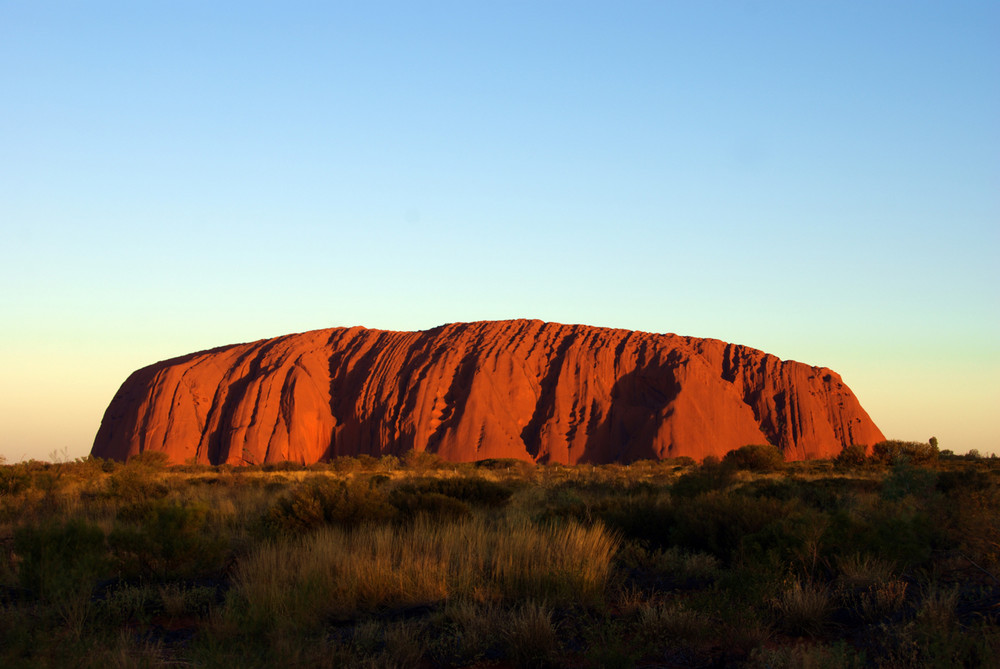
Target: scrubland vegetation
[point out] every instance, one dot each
(885, 558)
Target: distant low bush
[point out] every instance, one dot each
(282, 466)
(852, 455)
(713, 474)
(135, 484)
(433, 505)
(497, 463)
(891, 451)
(756, 457)
(13, 479)
(473, 490)
(151, 459)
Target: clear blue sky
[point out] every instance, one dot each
(820, 180)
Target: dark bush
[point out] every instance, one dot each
(319, 501)
(473, 490)
(497, 463)
(387, 462)
(432, 505)
(783, 489)
(964, 480)
(282, 466)
(892, 451)
(345, 463)
(852, 455)
(724, 523)
(755, 457)
(13, 479)
(564, 502)
(151, 459)
(162, 539)
(645, 517)
(907, 479)
(711, 475)
(894, 530)
(424, 461)
(134, 484)
(60, 560)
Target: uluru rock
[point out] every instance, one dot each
(468, 391)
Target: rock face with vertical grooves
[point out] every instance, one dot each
(468, 391)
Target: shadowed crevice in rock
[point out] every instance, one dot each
(640, 402)
(531, 434)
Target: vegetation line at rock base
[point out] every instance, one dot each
(887, 557)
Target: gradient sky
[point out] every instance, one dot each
(820, 180)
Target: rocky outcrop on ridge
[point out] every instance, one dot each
(468, 391)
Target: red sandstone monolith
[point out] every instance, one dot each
(468, 391)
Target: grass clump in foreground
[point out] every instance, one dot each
(886, 560)
(346, 574)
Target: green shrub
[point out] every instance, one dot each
(282, 466)
(447, 499)
(498, 463)
(345, 463)
(905, 479)
(150, 459)
(432, 505)
(128, 604)
(165, 539)
(730, 524)
(895, 530)
(756, 457)
(386, 462)
(967, 514)
(472, 490)
(852, 455)
(711, 475)
(892, 451)
(319, 501)
(424, 461)
(645, 517)
(60, 560)
(13, 479)
(564, 503)
(956, 483)
(133, 484)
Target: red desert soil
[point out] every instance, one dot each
(469, 391)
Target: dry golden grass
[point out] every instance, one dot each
(531, 636)
(804, 607)
(341, 573)
(864, 570)
(524, 584)
(674, 622)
